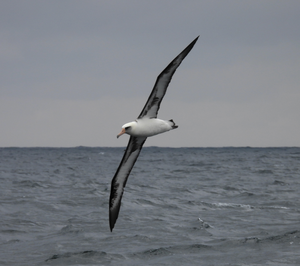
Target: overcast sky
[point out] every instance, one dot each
(73, 72)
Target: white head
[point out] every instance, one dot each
(127, 128)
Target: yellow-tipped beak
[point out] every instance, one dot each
(121, 133)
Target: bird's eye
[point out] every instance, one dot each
(127, 128)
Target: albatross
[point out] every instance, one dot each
(146, 125)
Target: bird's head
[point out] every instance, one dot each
(127, 128)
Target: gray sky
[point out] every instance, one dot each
(73, 72)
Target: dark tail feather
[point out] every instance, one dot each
(173, 126)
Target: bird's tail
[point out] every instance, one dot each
(173, 124)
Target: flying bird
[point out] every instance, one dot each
(146, 125)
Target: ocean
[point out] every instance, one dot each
(181, 206)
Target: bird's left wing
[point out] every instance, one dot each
(162, 82)
(118, 183)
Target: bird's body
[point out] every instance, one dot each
(146, 125)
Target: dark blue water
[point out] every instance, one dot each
(183, 206)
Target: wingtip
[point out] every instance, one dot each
(196, 39)
(113, 216)
(111, 224)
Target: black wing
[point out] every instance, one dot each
(118, 183)
(160, 87)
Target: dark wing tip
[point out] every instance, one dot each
(114, 208)
(189, 47)
(113, 216)
(112, 221)
(197, 38)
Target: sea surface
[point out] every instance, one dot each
(181, 206)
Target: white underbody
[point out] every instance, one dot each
(147, 127)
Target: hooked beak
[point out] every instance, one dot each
(121, 133)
